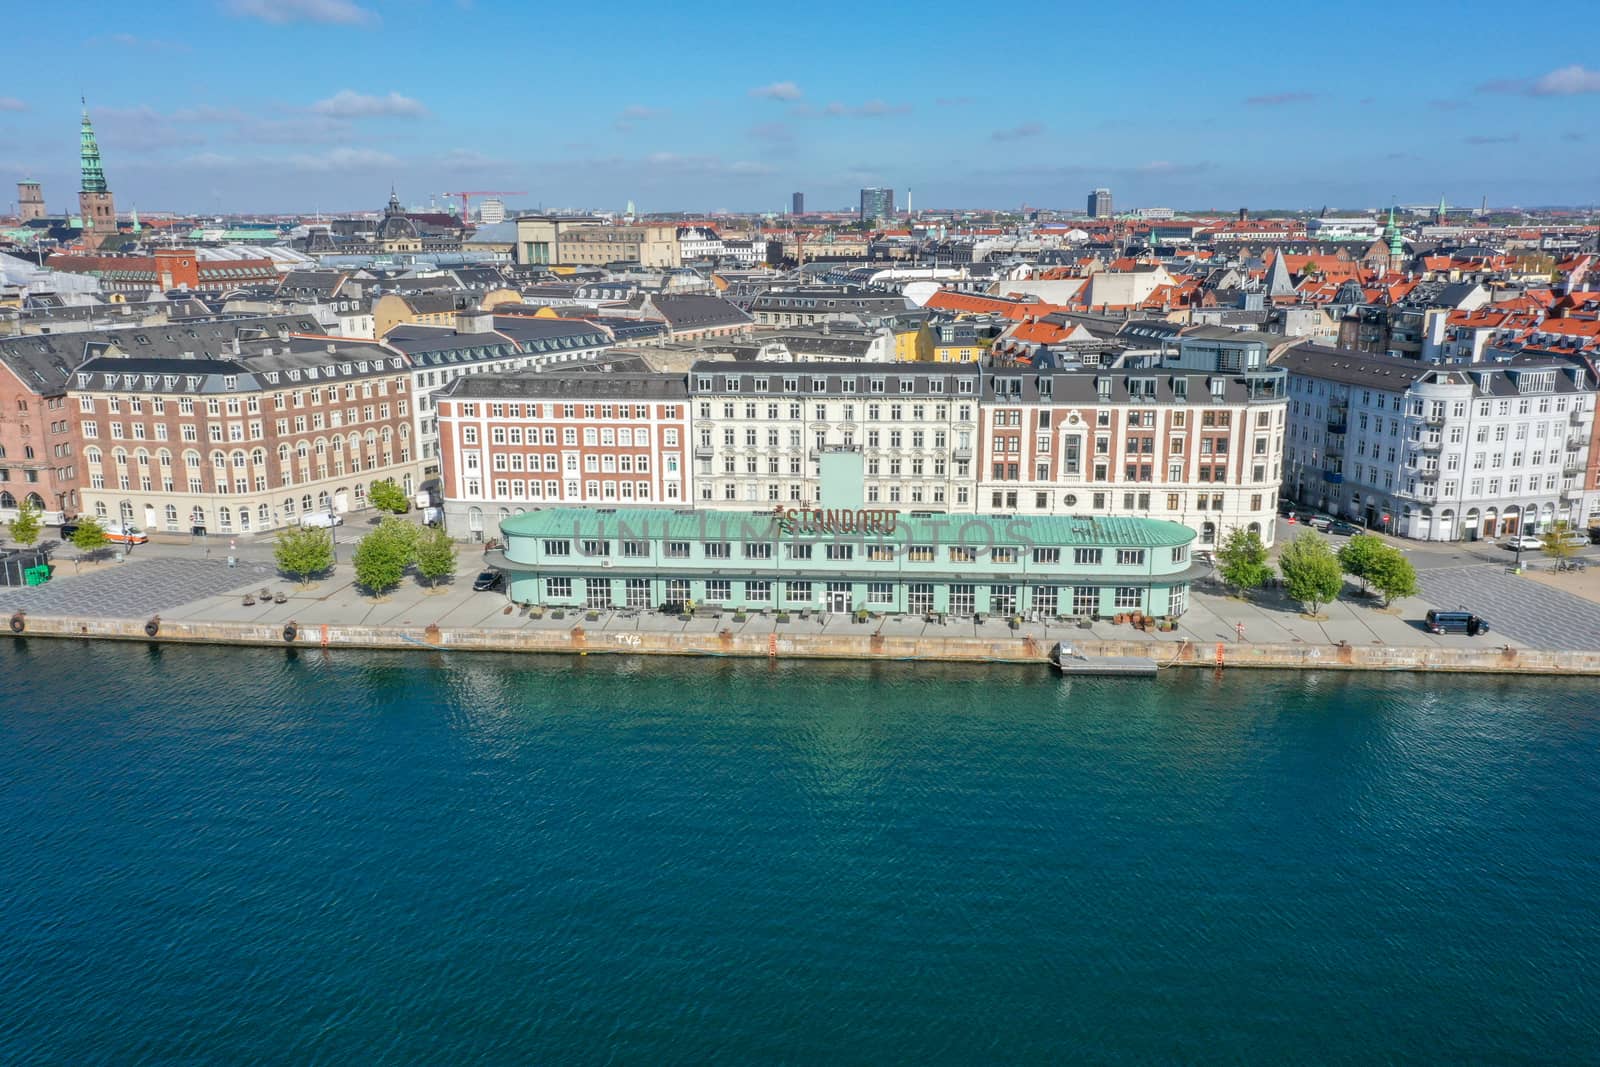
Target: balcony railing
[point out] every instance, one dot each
(961, 454)
(1333, 477)
(1433, 420)
(1429, 446)
(1577, 441)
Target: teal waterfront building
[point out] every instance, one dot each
(848, 559)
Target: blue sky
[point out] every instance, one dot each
(277, 105)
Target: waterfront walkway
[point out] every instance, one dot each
(207, 591)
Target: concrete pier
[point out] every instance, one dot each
(577, 639)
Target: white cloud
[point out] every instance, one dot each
(1017, 133)
(777, 91)
(349, 104)
(281, 12)
(1568, 81)
(11, 103)
(344, 159)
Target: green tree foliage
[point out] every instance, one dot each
(1558, 541)
(25, 527)
(387, 496)
(1311, 572)
(90, 536)
(1242, 560)
(1358, 554)
(302, 551)
(383, 555)
(435, 554)
(1392, 575)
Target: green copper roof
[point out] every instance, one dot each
(1067, 531)
(94, 178)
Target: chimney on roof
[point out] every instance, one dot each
(236, 346)
(472, 320)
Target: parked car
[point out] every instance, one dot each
(1455, 622)
(1342, 528)
(67, 530)
(1319, 523)
(325, 519)
(1522, 542)
(119, 533)
(488, 580)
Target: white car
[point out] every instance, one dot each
(1524, 542)
(123, 534)
(327, 520)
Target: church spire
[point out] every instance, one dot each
(94, 177)
(1397, 244)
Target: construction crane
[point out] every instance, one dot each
(483, 192)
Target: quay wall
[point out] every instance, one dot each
(866, 646)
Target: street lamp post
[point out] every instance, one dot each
(126, 510)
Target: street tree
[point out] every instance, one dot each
(383, 555)
(1242, 561)
(1357, 556)
(1392, 574)
(302, 551)
(89, 538)
(25, 527)
(387, 496)
(1558, 542)
(435, 554)
(1311, 572)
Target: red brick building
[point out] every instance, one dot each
(507, 444)
(168, 268)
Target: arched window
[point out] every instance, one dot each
(302, 450)
(164, 458)
(100, 509)
(34, 500)
(172, 516)
(388, 435)
(91, 455)
(225, 518)
(305, 502)
(7, 500)
(237, 458)
(288, 505)
(119, 456)
(191, 458)
(322, 447)
(264, 516)
(283, 454)
(322, 500)
(197, 516)
(141, 457)
(218, 460)
(259, 457)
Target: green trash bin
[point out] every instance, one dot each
(36, 575)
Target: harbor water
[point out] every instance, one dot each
(213, 855)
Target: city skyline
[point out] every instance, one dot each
(305, 105)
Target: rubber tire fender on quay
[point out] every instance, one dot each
(290, 632)
(18, 623)
(152, 627)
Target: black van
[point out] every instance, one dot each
(1456, 622)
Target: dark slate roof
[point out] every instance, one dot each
(619, 385)
(690, 311)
